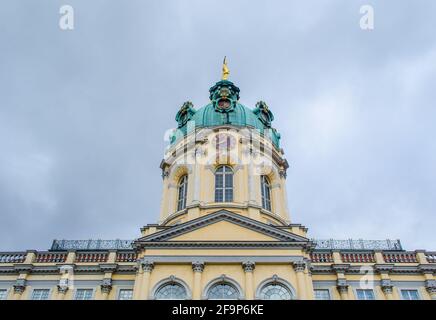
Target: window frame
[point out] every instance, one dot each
(40, 289)
(6, 291)
(224, 282)
(276, 283)
(365, 296)
(266, 193)
(172, 283)
(322, 289)
(410, 289)
(124, 289)
(182, 201)
(77, 289)
(227, 171)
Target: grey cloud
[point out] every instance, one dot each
(83, 113)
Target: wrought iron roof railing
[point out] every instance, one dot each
(359, 244)
(92, 245)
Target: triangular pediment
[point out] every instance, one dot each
(223, 231)
(223, 225)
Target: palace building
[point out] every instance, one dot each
(224, 231)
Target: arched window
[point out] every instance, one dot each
(275, 291)
(266, 193)
(223, 291)
(224, 184)
(171, 291)
(183, 191)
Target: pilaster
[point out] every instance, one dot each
(147, 267)
(430, 286)
(248, 267)
(386, 283)
(342, 286)
(299, 267)
(19, 288)
(341, 282)
(197, 268)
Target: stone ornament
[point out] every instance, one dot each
(106, 285)
(299, 266)
(147, 266)
(198, 266)
(248, 266)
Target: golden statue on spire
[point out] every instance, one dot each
(226, 71)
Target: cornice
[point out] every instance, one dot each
(23, 268)
(427, 268)
(383, 268)
(108, 267)
(223, 244)
(221, 215)
(340, 267)
(356, 269)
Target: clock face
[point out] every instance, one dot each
(224, 104)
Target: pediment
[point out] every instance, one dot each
(223, 225)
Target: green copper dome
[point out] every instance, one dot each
(225, 109)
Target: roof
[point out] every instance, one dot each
(225, 109)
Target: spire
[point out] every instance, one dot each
(226, 71)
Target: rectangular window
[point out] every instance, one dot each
(125, 294)
(410, 294)
(322, 294)
(3, 294)
(365, 294)
(40, 294)
(83, 294)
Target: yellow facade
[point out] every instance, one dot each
(206, 246)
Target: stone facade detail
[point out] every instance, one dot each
(342, 286)
(248, 266)
(430, 286)
(106, 285)
(198, 266)
(147, 266)
(20, 286)
(299, 266)
(62, 289)
(386, 286)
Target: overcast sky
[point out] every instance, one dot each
(83, 113)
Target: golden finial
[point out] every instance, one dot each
(226, 71)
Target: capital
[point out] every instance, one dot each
(106, 285)
(299, 266)
(386, 286)
(430, 285)
(62, 288)
(198, 266)
(19, 289)
(342, 286)
(20, 286)
(248, 266)
(147, 266)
